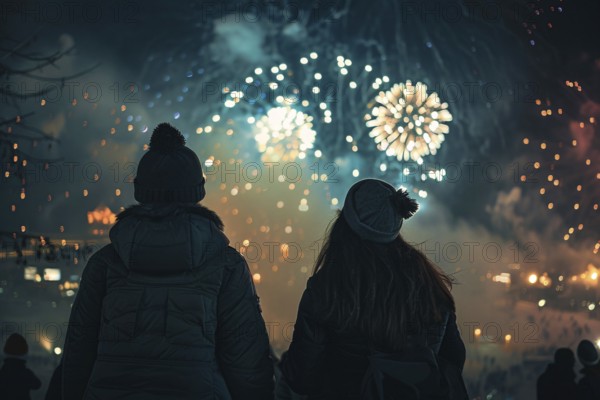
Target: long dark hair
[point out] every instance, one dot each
(385, 291)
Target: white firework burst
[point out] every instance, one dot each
(407, 122)
(284, 134)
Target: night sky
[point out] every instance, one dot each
(521, 156)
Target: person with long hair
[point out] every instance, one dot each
(372, 293)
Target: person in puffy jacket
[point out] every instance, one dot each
(374, 294)
(168, 309)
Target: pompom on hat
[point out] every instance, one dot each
(169, 171)
(375, 210)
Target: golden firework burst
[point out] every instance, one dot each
(407, 122)
(284, 134)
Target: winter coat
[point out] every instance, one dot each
(16, 380)
(557, 382)
(282, 389)
(54, 391)
(588, 387)
(167, 311)
(326, 363)
(284, 392)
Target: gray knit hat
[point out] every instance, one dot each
(375, 210)
(587, 353)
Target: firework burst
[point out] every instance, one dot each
(407, 122)
(284, 134)
(294, 111)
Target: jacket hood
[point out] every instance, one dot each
(166, 239)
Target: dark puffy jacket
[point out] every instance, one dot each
(54, 391)
(167, 311)
(326, 363)
(16, 380)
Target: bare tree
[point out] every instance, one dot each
(18, 138)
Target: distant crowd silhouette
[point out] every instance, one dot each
(558, 380)
(168, 310)
(45, 249)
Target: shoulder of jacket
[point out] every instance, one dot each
(235, 268)
(314, 283)
(106, 253)
(230, 258)
(101, 260)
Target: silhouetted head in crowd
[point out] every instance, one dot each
(587, 354)
(365, 263)
(16, 346)
(564, 357)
